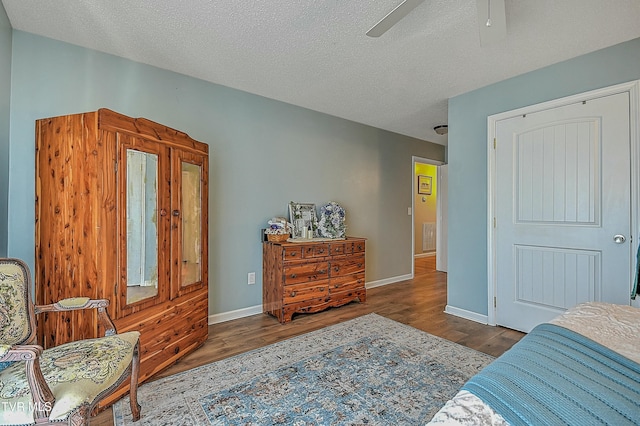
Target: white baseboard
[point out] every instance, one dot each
(462, 313)
(252, 310)
(231, 315)
(379, 283)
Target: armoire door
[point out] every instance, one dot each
(189, 202)
(144, 219)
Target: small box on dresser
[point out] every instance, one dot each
(312, 276)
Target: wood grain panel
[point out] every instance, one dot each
(142, 127)
(293, 252)
(337, 248)
(301, 292)
(347, 266)
(305, 272)
(272, 273)
(316, 250)
(359, 246)
(346, 283)
(73, 241)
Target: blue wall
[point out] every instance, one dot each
(263, 154)
(5, 97)
(467, 153)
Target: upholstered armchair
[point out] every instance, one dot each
(64, 383)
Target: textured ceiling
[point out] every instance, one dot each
(315, 54)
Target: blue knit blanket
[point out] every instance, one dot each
(555, 376)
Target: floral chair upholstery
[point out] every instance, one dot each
(63, 383)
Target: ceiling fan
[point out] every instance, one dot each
(491, 19)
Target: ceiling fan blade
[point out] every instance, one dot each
(491, 12)
(393, 17)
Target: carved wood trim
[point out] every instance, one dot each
(100, 304)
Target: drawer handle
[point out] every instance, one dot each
(359, 265)
(321, 288)
(321, 251)
(293, 275)
(292, 254)
(322, 271)
(293, 294)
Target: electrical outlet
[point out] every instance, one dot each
(251, 278)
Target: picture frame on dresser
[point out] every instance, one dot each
(302, 216)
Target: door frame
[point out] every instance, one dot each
(633, 88)
(423, 160)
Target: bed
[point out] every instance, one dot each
(581, 368)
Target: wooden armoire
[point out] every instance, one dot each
(121, 214)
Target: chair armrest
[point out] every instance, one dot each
(80, 303)
(43, 398)
(19, 352)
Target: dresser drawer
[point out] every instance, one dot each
(305, 291)
(336, 249)
(347, 283)
(292, 253)
(358, 247)
(305, 272)
(347, 266)
(354, 247)
(321, 250)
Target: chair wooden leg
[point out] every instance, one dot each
(133, 390)
(80, 417)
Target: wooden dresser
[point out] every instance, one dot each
(311, 276)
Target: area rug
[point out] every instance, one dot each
(370, 370)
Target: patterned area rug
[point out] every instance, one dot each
(369, 370)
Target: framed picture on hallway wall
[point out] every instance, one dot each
(424, 185)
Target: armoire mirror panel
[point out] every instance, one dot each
(142, 225)
(191, 224)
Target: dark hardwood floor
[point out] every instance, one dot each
(418, 302)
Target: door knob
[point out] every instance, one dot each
(619, 239)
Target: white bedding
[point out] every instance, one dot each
(614, 326)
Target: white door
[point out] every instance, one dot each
(562, 210)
